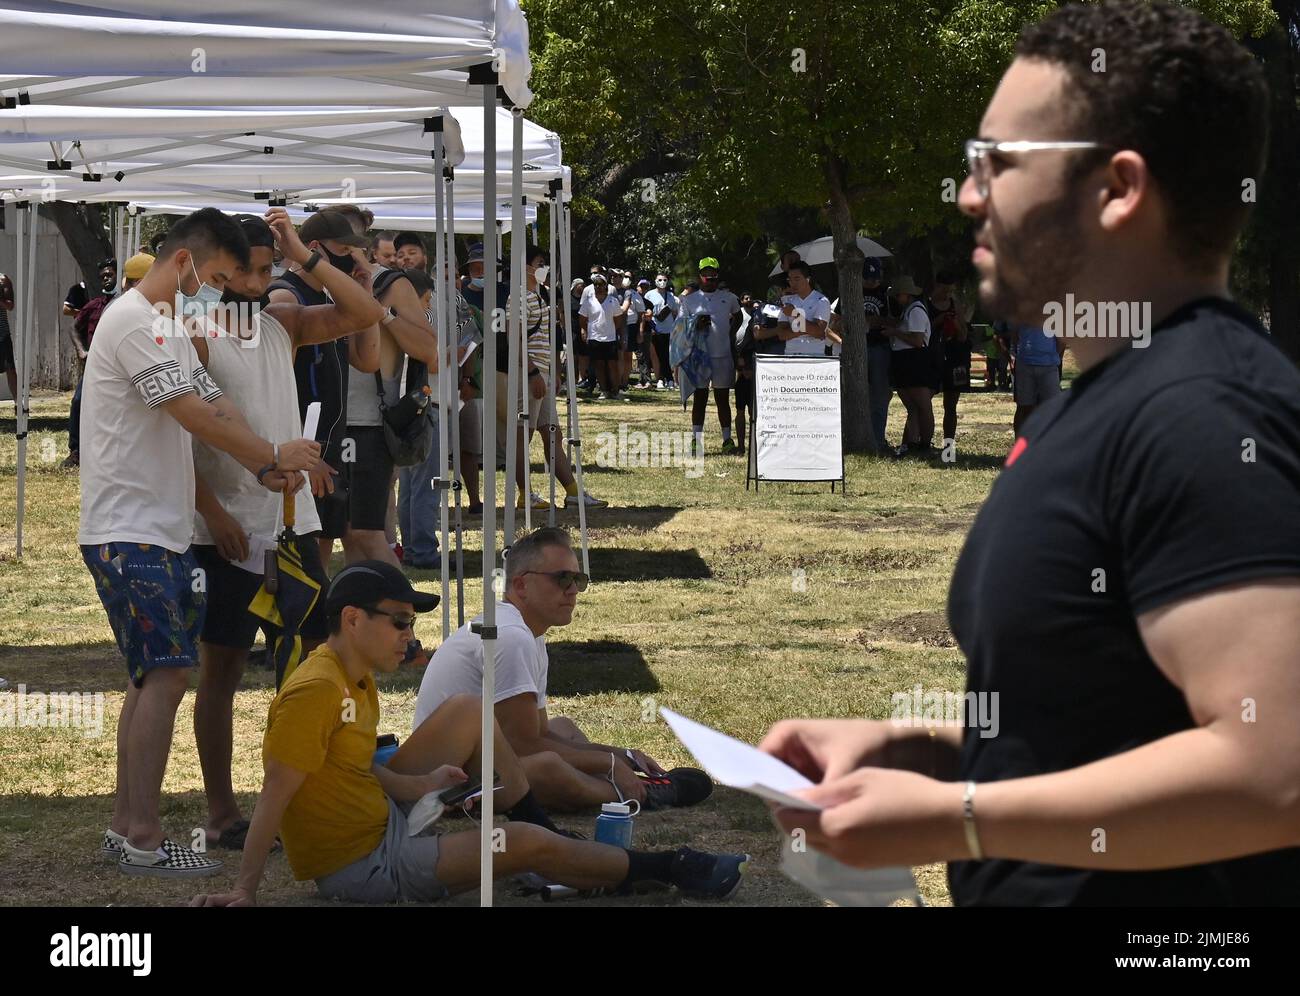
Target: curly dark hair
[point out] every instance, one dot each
(1176, 88)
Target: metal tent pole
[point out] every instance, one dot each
(575, 435)
(440, 483)
(487, 629)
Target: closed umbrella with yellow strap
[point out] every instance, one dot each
(287, 595)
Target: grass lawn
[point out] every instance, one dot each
(696, 604)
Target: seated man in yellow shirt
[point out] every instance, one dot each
(343, 818)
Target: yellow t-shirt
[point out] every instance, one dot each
(340, 813)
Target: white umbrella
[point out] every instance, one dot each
(823, 251)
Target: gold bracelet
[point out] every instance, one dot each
(934, 752)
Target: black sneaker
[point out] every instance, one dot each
(728, 446)
(680, 787)
(708, 876)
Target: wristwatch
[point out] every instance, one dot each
(312, 260)
(389, 315)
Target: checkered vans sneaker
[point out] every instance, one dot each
(171, 860)
(111, 847)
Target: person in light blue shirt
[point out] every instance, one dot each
(1038, 370)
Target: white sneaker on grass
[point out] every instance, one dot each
(110, 849)
(590, 500)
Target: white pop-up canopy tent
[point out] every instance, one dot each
(344, 54)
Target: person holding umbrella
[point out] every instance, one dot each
(252, 361)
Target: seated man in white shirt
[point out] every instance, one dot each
(565, 769)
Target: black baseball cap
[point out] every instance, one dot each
(368, 582)
(409, 239)
(332, 226)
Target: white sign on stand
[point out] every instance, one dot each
(797, 431)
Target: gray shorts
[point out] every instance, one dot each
(400, 869)
(1036, 385)
(724, 372)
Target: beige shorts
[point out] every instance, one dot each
(471, 427)
(541, 411)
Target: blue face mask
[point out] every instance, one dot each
(202, 301)
(476, 283)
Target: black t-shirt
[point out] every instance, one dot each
(77, 297)
(1138, 471)
(873, 304)
(320, 371)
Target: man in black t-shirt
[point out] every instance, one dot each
(877, 312)
(1128, 599)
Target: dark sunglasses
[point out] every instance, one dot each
(400, 620)
(565, 578)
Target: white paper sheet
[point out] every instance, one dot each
(256, 562)
(738, 764)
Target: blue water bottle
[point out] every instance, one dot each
(614, 824)
(385, 748)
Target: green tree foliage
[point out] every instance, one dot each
(850, 113)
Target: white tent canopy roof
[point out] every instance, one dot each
(225, 93)
(163, 39)
(404, 217)
(288, 183)
(364, 155)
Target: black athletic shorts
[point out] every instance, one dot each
(370, 478)
(7, 354)
(603, 350)
(333, 508)
(228, 622)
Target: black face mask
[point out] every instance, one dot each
(228, 296)
(345, 262)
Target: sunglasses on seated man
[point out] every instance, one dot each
(564, 578)
(400, 620)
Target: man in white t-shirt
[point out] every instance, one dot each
(566, 770)
(252, 362)
(719, 309)
(805, 315)
(600, 318)
(148, 393)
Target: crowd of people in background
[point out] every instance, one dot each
(920, 343)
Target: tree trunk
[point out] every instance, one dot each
(1280, 190)
(855, 408)
(83, 229)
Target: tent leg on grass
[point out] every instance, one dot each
(558, 282)
(518, 409)
(488, 627)
(449, 234)
(443, 329)
(575, 435)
